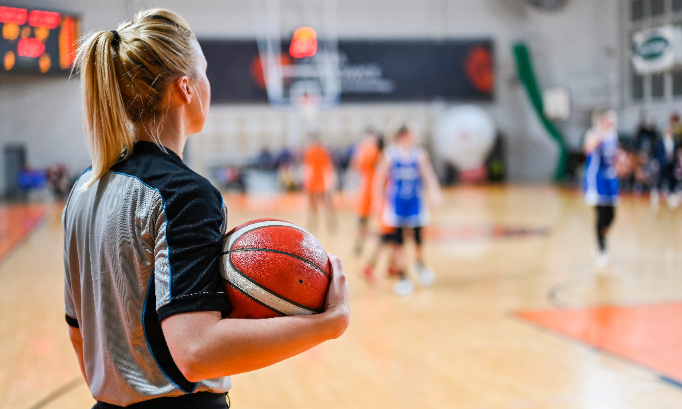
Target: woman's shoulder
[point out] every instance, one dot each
(166, 173)
(185, 181)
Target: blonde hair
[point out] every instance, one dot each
(124, 74)
(599, 114)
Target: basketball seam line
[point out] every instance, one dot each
(279, 252)
(240, 272)
(288, 224)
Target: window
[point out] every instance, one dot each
(677, 83)
(657, 8)
(638, 10)
(637, 86)
(677, 5)
(657, 86)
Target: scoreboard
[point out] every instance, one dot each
(37, 41)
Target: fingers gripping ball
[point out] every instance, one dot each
(274, 268)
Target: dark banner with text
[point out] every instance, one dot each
(368, 71)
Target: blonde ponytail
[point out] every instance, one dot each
(107, 127)
(124, 74)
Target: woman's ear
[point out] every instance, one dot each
(183, 89)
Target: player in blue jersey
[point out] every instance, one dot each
(402, 177)
(601, 179)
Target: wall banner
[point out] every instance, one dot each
(461, 70)
(657, 49)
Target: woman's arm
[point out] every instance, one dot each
(592, 141)
(77, 342)
(430, 178)
(205, 346)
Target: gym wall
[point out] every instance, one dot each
(575, 48)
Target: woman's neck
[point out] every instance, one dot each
(169, 132)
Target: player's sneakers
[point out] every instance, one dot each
(403, 287)
(393, 272)
(368, 274)
(602, 260)
(426, 275)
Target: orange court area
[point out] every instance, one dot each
(649, 335)
(16, 222)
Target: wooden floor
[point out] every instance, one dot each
(502, 256)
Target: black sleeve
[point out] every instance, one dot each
(191, 240)
(71, 321)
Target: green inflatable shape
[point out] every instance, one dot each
(527, 75)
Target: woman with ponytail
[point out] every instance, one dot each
(143, 233)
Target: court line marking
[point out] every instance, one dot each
(572, 283)
(57, 393)
(556, 302)
(670, 381)
(583, 281)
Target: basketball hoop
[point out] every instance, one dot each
(312, 79)
(307, 105)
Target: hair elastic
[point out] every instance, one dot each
(117, 38)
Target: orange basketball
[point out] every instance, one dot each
(274, 268)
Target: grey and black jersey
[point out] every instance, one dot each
(140, 245)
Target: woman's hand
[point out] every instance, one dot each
(338, 299)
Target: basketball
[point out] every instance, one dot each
(274, 268)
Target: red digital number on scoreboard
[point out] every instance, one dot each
(47, 19)
(11, 15)
(30, 47)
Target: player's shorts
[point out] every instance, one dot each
(199, 400)
(389, 237)
(400, 237)
(416, 215)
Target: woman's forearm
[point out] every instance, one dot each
(205, 346)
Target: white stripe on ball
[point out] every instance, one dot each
(248, 287)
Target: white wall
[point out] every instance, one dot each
(574, 48)
(657, 110)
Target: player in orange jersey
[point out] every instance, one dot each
(318, 179)
(364, 162)
(387, 239)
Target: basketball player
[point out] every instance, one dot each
(402, 175)
(318, 180)
(364, 162)
(387, 240)
(665, 154)
(601, 180)
(143, 234)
